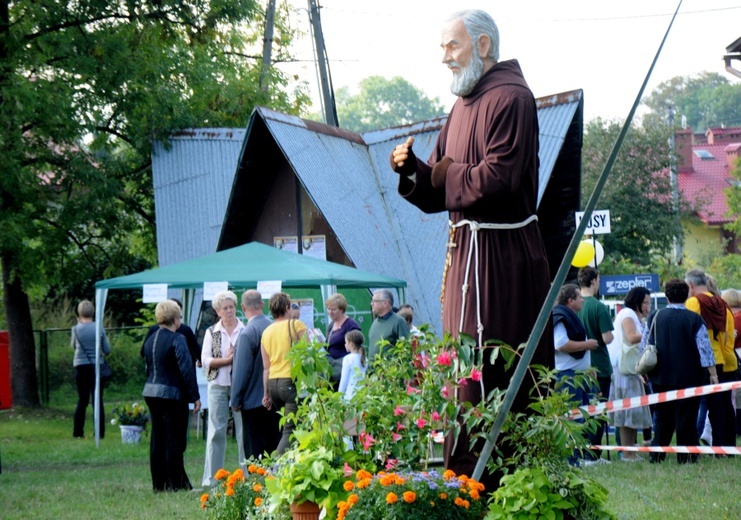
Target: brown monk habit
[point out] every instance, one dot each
(491, 135)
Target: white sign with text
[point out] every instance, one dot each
(154, 292)
(599, 223)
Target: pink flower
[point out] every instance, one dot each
(444, 359)
(462, 381)
(411, 390)
(400, 427)
(366, 440)
(445, 392)
(391, 464)
(476, 375)
(398, 411)
(347, 470)
(435, 416)
(421, 423)
(395, 437)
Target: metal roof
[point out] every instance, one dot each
(347, 177)
(192, 176)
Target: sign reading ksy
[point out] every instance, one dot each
(599, 222)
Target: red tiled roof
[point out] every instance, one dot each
(707, 182)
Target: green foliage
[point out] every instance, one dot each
(733, 198)
(383, 103)
(638, 191)
(707, 100)
(533, 493)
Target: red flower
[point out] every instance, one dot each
(445, 392)
(391, 464)
(398, 411)
(421, 423)
(476, 375)
(444, 359)
(395, 437)
(400, 426)
(435, 416)
(411, 390)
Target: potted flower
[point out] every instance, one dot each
(308, 478)
(238, 495)
(423, 495)
(132, 419)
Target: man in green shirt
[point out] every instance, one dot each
(387, 325)
(596, 319)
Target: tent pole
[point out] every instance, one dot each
(100, 297)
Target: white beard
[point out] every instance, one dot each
(464, 81)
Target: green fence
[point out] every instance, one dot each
(57, 376)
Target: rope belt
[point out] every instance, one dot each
(473, 248)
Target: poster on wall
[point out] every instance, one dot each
(286, 243)
(315, 246)
(306, 309)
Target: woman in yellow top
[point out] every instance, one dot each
(280, 390)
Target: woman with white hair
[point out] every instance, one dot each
(216, 357)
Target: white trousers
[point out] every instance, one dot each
(218, 416)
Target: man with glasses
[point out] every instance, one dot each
(387, 325)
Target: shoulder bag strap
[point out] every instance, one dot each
(653, 328)
(215, 351)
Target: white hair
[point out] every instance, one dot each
(219, 298)
(479, 22)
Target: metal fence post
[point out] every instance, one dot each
(44, 366)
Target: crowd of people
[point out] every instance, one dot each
(696, 337)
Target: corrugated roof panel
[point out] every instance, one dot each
(192, 181)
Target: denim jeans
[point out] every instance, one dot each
(218, 417)
(283, 394)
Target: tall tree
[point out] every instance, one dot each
(706, 100)
(382, 103)
(85, 87)
(638, 192)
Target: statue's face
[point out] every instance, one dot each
(461, 57)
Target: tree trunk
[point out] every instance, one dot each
(24, 386)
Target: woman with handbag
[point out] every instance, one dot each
(626, 382)
(83, 341)
(280, 390)
(339, 325)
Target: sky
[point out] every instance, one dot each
(604, 48)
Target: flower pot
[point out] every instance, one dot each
(131, 434)
(305, 511)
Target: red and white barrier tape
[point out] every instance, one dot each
(662, 397)
(710, 450)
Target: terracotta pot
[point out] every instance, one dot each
(305, 511)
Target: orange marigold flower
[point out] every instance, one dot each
(443, 496)
(449, 473)
(363, 474)
(221, 474)
(387, 480)
(262, 471)
(229, 492)
(252, 468)
(258, 501)
(257, 488)
(348, 486)
(458, 501)
(463, 478)
(203, 506)
(466, 504)
(204, 497)
(353, 499)
(364, 483)
(238, 473)
(399, 480)
(474, 494)
(409, 496)
(391, 498)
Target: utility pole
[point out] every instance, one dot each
(325, 80)
(267, 45)
(674, 181)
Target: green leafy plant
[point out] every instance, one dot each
(308, 472)
(238, 495)
(134, 414)
(413, 495)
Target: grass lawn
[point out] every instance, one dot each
(48, 474)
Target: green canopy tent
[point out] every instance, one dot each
(242, 267)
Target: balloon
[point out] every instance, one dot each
(584, 254)
(599, 254)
